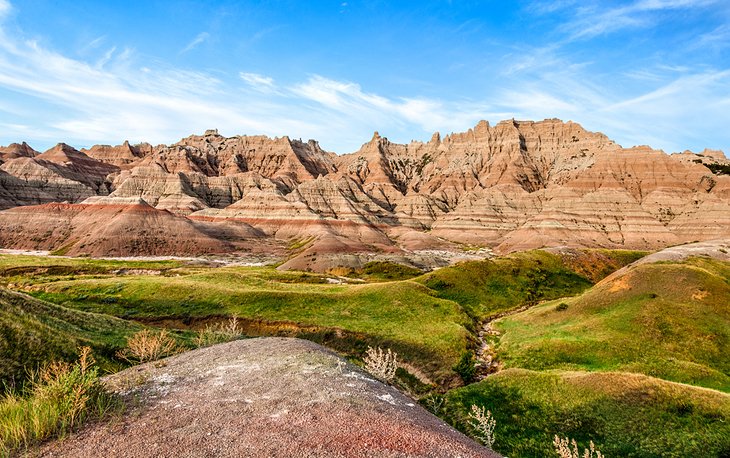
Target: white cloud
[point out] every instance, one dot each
(47, 97)
(591, 21)
(351, 102)
(675, 96)
(258, 82)
(116, 101)
(717, 38)
(199, 39)
(4, 8)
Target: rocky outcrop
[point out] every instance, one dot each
(122, 156)
(514, 185)
(57, 175)
(264, 397)
(15, 150)
(108, 226)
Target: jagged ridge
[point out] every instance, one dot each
(511, 186)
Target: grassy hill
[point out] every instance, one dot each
(639, 364)
(33, 332)
(428, 320)
(626, 415)
(485, 288)
(667, 319)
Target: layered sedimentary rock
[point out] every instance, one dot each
(104, 226)
(57, 175)
(514, 185)
(15, 150)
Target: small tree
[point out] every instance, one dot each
(483, 423)
(566, 448)
(381, 364)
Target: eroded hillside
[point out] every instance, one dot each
(513, 186)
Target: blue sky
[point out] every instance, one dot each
(651, 72)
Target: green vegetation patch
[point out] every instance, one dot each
(719, 169)
(668, 320)
(384, 270)
(626, 415)
(484, 288)
(33, 332)
(60, 398)
(405, 313)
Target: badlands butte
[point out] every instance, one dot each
(513, 186)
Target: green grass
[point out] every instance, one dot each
(60, 398)
(484, 288)
(429, 320)
(573, 369)
(405, 315)
(668, 320)
(81, 265)
(33, 332)
(626, 415)
(384, 270)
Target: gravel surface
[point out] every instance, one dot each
(264, 397)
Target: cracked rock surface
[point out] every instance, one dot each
(263, 397)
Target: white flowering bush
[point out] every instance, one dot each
(566, 448)
(483, 423)
(381, 364)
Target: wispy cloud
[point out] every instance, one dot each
(4, 8)
(349, 101)
(676, 96)
(198, 40)
(258, 82)
(110, 95)
(591, 20)
(718, 38)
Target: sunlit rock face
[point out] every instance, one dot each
(512, 186)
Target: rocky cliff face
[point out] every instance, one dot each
(515, 185)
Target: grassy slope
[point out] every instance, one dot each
(626, 415)
(78, 265)
(404, 315)
(489, 287)
(427, 319)
(669, 320)
(33, 332)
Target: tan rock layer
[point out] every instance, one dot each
(515, 185)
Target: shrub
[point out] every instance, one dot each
(60, 397)
(466, 367)
(219, 333)
(148, 345)
(566, 448)
(561, 307)
(381, 364)
(483, 423)
(435, 403)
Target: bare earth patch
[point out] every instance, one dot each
(264, 397)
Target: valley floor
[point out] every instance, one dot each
(590, 344)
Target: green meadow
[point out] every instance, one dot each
(637, 362)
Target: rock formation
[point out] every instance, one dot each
(265, 397)
(512, 186)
